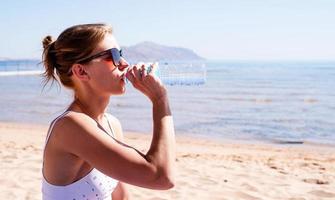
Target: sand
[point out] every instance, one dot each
(206, 169)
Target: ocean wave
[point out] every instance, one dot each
(21, 73)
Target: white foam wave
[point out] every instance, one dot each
(20, 73)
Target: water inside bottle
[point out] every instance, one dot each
(181, 73)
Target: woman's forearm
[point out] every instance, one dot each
(162, 149)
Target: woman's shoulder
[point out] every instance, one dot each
(71, 122)
(73, 130)
(70, 117)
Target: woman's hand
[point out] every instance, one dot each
(148, 83)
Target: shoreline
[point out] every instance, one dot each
(247, 141)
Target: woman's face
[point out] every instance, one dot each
(104, 76)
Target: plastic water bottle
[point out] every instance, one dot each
(186, 73)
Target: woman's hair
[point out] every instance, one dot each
(72, 45)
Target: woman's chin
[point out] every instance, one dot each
(121, 91)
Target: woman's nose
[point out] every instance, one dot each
(123, 64)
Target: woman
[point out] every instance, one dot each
(84, 156)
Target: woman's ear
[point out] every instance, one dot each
(80, 72)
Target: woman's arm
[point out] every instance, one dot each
(162, 149)
(78, 134)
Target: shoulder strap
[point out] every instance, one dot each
(52, 126)
(110, 126)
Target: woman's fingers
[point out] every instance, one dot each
(133, 73)
(145, 81)
(153, 67)
(137, 72)
(129, 75)
(143, 72)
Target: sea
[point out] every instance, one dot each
(268, 101)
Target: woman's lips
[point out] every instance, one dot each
(123, 77)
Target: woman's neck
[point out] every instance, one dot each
(92, 105)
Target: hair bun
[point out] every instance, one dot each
(47, 41)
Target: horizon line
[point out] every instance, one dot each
(211, 59)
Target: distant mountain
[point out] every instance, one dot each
(144, 51)
(149, 52)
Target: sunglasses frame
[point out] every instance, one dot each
(115, 53)
(112, 52)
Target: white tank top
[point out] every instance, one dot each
(95, 185)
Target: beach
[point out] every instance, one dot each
(206, 169)
(250, 88)
(255, 130)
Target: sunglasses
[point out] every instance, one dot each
(113, 54)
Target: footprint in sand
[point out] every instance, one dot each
(9, 183)
(157, 198)
(35, 169)
(9, 157)
(249, 187)
(321, 193)
(244, 195)
(315, 181)
(190, 155)
(208, 181)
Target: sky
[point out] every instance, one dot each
(214, 29)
